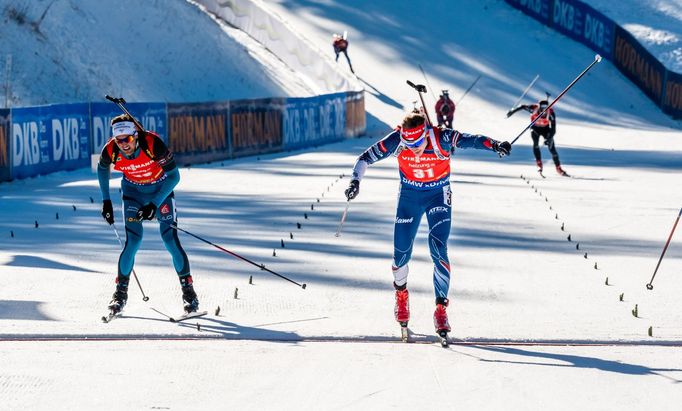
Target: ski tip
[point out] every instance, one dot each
(105, 319)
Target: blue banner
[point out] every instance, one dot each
(314, 120)
(581, 22)
(197, 132)
(672, 102)
(5, 148)
(538, 9)
(151, 115)
(256, 126)
(50, 138)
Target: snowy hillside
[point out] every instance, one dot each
(76, 51)
(539, 321)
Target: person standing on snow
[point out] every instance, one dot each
(423, 156)
(445, 110)
(341, 46)
(149, 177)
(545, 127)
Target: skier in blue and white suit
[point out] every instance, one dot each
(424, 163)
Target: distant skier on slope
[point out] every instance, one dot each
(545, 127)
(445, 110)
(423, 156)
(149, 176)
(340, 44)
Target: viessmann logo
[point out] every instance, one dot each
(134, 167)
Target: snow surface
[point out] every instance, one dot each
(145, 51)
(535, 323)
(657, 24)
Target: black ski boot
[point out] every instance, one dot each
(120, 297)
(189, 297)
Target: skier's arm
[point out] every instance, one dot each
(481, 142)
(514, 110)
(552, 124)
(104, 173)
(376, 152)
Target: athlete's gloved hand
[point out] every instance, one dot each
(108, 211)
(353, 189)
(503, 148)
(509, 113)
(146, 212)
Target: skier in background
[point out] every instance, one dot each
(340, 44)
(545, 127)
(445, 110)
(423, 156)
(149, 176)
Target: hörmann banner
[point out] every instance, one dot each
(50, 138)
(314, 120)
(640, 66)
(583, 23)
(256, 126)
(356, 121)
(672, 101)
(151, 115)
(197, 132)
(5, 149)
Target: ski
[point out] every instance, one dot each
(404, 332)
(110, 317)
(187, 316)
(443, 336)
(182, 317)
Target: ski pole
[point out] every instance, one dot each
(120, 101)
(537, 76)
(597, 59)
(421, 89)
(261, 266)
(470, 87)
(343, 218)
(427, 82)
(144, 297)
(677, 220)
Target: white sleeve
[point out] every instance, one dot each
(359, 169)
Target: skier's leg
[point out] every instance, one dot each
(552, 149)
(536, 148)
(439, 216)
(167, 216)
(345, 53)
(408, 216)
(134, 233)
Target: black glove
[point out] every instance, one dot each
(108, 211)
(353, 189)
(509, 113)
(146, 212)
(503, 148)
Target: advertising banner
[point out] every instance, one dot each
(256, 126)
(197, 132)
(583, 23)
(5, 148)
(356, 122)
(50, 138)
(151, 115)
(538, 9)
(314, 120)
(638, 65)
(672, 102)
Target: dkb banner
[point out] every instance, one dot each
(538, 9)
(256, 126)
(197, 132)
(672, 102)
(314, 120)
(583, 23)
(151, 115)
(4, 146)
(638, 65)
(50, 138)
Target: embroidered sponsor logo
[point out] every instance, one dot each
(165, 209)
(438, 209)
(399, 220)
